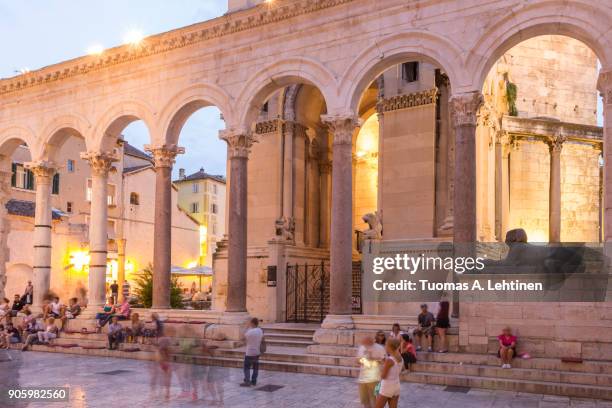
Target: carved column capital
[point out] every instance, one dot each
(464, 108)
(342, 127)
(239, 143)
(555, 143)
(164, 155)
(604, 85)
(43, 170)
(101, 163)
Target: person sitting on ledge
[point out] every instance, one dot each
(115, 333)
(408, 351)
(136, 330)
(396, 332)
(13, 334)
(71, 312)
(425, 328)
(380, 338)
(53, 308)
(49, 333)
(4, 308)
(107, 312)
(507, 347)
(123, 313)
(17, 305)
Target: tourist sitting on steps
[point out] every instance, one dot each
(507, 347)
(370, 356)
(107, 312)
(425, 328)
(253, 338)
(4, 308)
(136, 330)
(50, 332)
(53, 308)
(380, 338)
(13, 334)
(18, 305)
(389, 391)
(115, 333)
(408, 351)
(71, 312)
(396, 332)
(123, 312)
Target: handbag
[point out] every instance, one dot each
(263, 346)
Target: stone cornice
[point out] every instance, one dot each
(542, 128)
(221, 26)
(268, 126)
(405, 101)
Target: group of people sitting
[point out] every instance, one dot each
(137, 331)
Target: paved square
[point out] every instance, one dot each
(109, 382)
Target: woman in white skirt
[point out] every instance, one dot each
(390, 384)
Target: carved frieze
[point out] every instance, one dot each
(405, 101)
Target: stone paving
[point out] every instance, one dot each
(93, 384)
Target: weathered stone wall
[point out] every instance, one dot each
(408, 178)
(529, 184)
(556, 77)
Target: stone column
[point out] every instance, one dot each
(342, 128)
(501, 189)
(163, 157)
(120, 265)
(5, 195)
(604, 85)
(554, 198)
(239, 146)
(43, 177)
(464, 111)
(325, 168)
(101, 164)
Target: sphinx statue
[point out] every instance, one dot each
(374, 221)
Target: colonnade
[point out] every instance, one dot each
(464, 112)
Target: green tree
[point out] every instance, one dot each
(144, 289)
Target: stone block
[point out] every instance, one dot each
(326, 336)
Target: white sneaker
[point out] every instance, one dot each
(508, 366)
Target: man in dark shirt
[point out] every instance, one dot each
(18, 304)
(114, 291)
(425, 328)
(13, 334)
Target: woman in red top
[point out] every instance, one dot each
(507, 347)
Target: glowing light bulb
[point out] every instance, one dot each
(95, 49)
(133, 37)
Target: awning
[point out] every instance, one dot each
(197, 271)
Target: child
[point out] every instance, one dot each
(136, 330)
(408, 351)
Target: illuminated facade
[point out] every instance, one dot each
(202, 196)
(130, 220)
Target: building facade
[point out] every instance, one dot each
(202, 196)
(328, 62)
(130, 220)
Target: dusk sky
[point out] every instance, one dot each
(37, 33)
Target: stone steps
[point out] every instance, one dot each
(288, 343)
(538, 387)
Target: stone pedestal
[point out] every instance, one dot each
(43, 173)
(164, 157)
(101, 164)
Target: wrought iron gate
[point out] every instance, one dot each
(307, 292)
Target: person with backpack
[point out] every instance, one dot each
(254, 342)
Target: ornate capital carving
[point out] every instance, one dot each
(43, 170)
(101, 163)
(555, 143)
(164, 155)
(239, 143)
(464, 108)
(604, 84)
(342, 127)
(405, 101)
